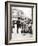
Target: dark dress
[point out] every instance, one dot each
(18, 25)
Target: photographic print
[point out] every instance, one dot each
(20, 22)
